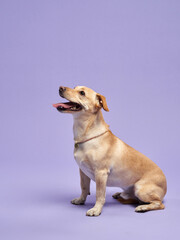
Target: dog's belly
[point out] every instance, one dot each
(114, 179)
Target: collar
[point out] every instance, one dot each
(76, 144)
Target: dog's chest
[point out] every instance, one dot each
(85, 162)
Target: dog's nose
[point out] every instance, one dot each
(61, 90)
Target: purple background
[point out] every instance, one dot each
(126, 50)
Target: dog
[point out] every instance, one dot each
(107, 160)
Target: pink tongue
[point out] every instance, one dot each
(64, 105)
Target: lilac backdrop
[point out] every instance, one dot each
(126, 50)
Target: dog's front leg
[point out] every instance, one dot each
(101, 180)
(85, 189)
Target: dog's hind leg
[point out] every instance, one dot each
(150, 194)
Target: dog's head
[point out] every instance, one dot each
(81, 99)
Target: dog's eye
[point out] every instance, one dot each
(82, 93)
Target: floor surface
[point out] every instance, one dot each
(35, 204)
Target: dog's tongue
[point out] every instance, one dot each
(64, 105)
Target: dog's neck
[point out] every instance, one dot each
(88, 125)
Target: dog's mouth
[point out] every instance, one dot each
(68, 106)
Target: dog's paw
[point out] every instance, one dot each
(78, 201)
(116, 195)
(93, 212)
(141, 208)
(122, 195)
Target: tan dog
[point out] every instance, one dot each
(106, 159)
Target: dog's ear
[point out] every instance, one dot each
(102, 102)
